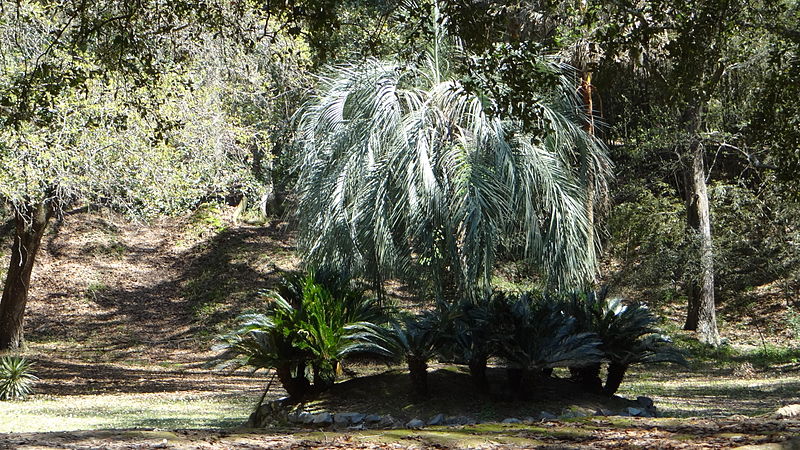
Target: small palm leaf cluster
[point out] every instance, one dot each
(16, 379)
(305, 332)
(531, 334)
(628, 336)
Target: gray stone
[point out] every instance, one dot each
(357, 418)
(415, 423)
(436, 420)
(388, 421)
(604, 412)
(294, 416)
(358, 427)
(635, 412)
(459, 420)
(305, 417)
(646, 402)
(323, 418)
(545, 415)
(788, 412)
(511, 420)
(576, 411)
(529, 419)
(372, 418)
(341, 418)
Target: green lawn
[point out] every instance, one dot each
(109, 411)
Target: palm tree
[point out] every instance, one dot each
(405, 173)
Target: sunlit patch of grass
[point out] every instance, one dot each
(109, 411)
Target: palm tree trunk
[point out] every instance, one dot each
(27, 240)
(295, 385)
(477, 370)
(616, 372)
(418, 371)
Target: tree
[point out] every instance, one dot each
(142, 149)
(403, 172)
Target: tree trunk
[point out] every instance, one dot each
(588, 174)
(296, 385)
(29, 229)
(477, 370)
(418, 371)
(616, 372)
(701, 316)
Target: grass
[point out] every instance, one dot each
(118, 411)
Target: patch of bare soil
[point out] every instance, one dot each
(122, 307)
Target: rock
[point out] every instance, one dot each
(635, 412)
(294, 416)
(436, 420)
(459, 420)
(545, 415)
(372, 418)
(341, 419)
(162, 444)
(575, 411)
(388, 421)
(511, 420)
(646, 402)
(347, 418)
(604, 412)
(788, 412)
(358, 427)
(305, 418)
(415, 424)
(529, 419)
(323, 418)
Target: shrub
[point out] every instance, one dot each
(538, 336)
(307, 327)
(413, 340)
(16, 379)
(627, 334)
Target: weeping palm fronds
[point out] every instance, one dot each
(404, 173)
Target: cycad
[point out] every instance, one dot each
(628, 336)
(539, 337)
(306, 326)
(413, 340)
(402, 172)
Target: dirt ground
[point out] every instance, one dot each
(128, 308)
(742, 433)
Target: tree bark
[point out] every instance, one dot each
(701, 315)
(418, 371)
(616, 373)
(477, 370)
(29, 229)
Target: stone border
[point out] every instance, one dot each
(281, 410)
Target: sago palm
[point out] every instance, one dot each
(403, 172)
(413, 340)
(628, 336)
